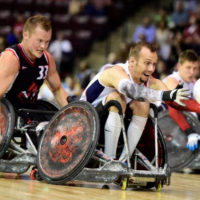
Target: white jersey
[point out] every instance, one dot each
(97, 92)
(176, 76)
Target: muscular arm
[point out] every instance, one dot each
(171, 83)
(9, 66)
(157, 84)
(117, 78)
(54, 83)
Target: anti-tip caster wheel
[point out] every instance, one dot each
(124, 183)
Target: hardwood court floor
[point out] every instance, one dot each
(183, 187)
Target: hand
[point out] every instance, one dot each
(176, 95)
(192, 142)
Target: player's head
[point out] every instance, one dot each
(142, 60)
(188, 64)
(37, 35)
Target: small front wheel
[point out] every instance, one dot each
(124, 183)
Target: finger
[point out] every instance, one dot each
(183, 98)
(184, 89)
(185, 93)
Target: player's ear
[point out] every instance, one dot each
(25, 34)
(131, 60)
(178, 65)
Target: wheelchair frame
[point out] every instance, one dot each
(114, 171)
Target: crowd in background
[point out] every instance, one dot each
(173, 28)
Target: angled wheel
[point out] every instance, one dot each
(179, 156)
(7, 123)
(68, 142)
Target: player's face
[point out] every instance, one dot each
(145, 65)
(37, 42)
(188, 70)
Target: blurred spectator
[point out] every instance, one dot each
(18, 26)
(83, 70)
(145, 32)
(95, 8)
(161, 69)
(123, 52)
(62, 51)
(87, 78)
(2, 44)
(112, 58)
(72, 86)
(180, 16)
(163, 40)
(191, 5)
(162, 16)
(76, 6)
(191, 34)
(11, 38)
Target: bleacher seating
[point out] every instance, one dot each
(80, 29)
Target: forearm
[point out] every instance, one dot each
(61, 97)
(138, 92)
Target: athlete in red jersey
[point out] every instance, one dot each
(187, 67)
(24, 67)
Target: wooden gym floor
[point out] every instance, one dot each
(12, 187)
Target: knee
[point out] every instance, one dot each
(119, 98)
(140, 108)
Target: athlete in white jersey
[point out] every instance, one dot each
(187, 67)
(124, 83)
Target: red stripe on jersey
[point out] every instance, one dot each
(25, 56)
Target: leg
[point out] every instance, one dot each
(113, 127)
(140, 111)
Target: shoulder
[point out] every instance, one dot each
(157, 84)
(10, 55)
(171, 82)
(49, 57)
(9, 61)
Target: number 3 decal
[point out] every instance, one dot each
(43, 72)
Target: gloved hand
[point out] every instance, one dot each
(176, 95)
(192, 142)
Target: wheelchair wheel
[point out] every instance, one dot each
(146, 146)
(68, 142)
(7, 123)
(179, 156)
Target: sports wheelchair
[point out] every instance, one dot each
(178, 155)
(67, 147)
(19, 138)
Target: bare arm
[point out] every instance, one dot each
(112, 76)
(117, 78)
(54, 83)
(171, 83)
(157, 84)
(9, 67)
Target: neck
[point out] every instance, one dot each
(134, 76)
(26, 51)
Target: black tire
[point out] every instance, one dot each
(80, 120)
(7, 124)
(179, 156)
